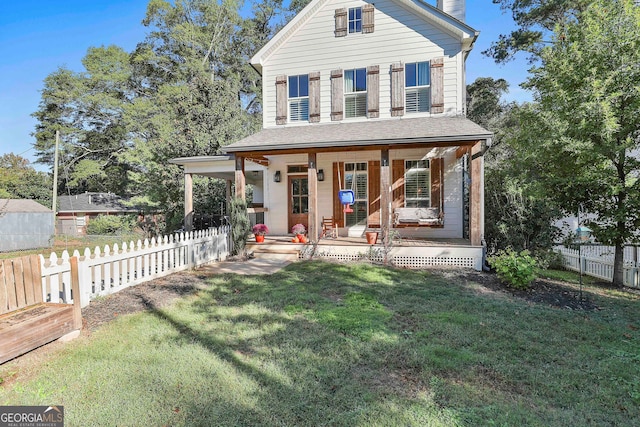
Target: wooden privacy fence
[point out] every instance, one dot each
(111, 269)
(600, 266)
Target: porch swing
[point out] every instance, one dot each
(432, 216)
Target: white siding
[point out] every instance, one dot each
(399, 36)
(276, 193)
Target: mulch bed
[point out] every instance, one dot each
(543, 291)
(151, 295)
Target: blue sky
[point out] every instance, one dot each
(39, 36)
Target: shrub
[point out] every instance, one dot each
(516, 270)
(549, 259)
(111, 224)
(240, 225)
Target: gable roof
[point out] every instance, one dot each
(22, 206)
(427, 12)
(371, 132)
(94, 202)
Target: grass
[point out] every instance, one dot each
(328, 344)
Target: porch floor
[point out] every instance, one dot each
(362, 241)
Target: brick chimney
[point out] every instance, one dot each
(455, 8)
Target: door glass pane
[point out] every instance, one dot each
(295, 190)
(304, 204)
(295, 208)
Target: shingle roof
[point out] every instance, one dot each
(21, 206)
(94, 202)
(370, 132)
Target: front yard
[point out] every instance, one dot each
(328, 344)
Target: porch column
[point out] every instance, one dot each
(313, 198)
(385, 195)
(476, 214)
(240, 182)
(228, 185)
(188, 202)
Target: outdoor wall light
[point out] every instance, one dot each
(276, 176)
(321, 175)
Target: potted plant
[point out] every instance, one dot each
(299, 230)
(372, 236)
(259, 230)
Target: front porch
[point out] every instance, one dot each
(402, 252)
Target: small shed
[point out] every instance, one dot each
(25, 224)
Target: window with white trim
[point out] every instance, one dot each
(355, 93)
(355, 20)
(417, 87)
(299, 98)
(417, 184)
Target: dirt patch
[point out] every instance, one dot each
(155, 294)
(543, 291)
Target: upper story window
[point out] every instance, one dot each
(417, 184)
(299, 98)
(355, 93)
(417, 87)
(355, 20)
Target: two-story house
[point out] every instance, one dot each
(367, 98)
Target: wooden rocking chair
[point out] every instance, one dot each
(329, 228)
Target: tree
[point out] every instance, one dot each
(536, 19)
(516, 216)
(585, 124)
(88, 110)
(19, 180)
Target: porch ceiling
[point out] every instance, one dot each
(392, 132)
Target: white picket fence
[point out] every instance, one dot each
(111, 269)
(597, 261)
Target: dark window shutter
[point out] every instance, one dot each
(338, 217)
(367, 18)
(337, 95)
(314, 97)
(373, 91)
(374, 193)
(397, 89)
(437, 178)
(397, 175)
(437, 85)
(281, 100)
(341, 22)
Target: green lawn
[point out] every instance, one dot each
(328, 344)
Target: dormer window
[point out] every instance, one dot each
(355, 93)
(417, 87)
(299, 98)
(355, 20)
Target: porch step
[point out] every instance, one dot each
(273, 251)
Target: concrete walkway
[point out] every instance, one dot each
(249, 267)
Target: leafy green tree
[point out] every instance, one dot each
(584, 133)
(87, 108)
(536, 21)
(19, 180)
(516, 215)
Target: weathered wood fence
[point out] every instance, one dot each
(111, 269)
(597, 261)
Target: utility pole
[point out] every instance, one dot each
(55, 180)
